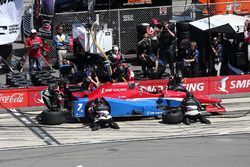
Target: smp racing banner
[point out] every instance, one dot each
(43, 15)
(11, 12)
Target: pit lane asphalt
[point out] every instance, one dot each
(25, 132)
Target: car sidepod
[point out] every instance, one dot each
(140, 106)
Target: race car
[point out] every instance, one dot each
(124, 100)
(129, 99)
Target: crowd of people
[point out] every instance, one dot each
(157, 51)
(160, 43)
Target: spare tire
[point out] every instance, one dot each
(49, 117)
(173, 116)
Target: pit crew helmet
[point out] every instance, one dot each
(189, 94)
(178, 77)
(115, 49)
(120, 70)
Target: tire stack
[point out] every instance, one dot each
(42, 78)
(17, 79)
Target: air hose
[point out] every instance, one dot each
(92, 33)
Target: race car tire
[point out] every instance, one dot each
(173, 116)
(49, 117)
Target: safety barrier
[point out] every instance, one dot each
(30, 97)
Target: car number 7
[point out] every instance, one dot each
(79, 107)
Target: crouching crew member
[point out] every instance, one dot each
(100, 116)
(191, 109)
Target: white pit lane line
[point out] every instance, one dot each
(33, 126)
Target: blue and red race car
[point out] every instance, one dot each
(128, 99)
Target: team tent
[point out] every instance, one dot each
(228, 23)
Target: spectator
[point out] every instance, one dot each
(153, 31)
(166, 42)
(144, 49)
(183, 51)
(194, 59)
(217, 51)
(34, 44)
(247, 31)
(61, 41)
(186, 54)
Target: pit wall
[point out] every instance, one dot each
(31, 97)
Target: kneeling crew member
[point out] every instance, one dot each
(101, 116)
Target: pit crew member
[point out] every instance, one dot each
(100, 116)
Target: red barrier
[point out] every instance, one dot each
(28, 97)
(14, 98)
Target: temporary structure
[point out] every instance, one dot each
(228, 23)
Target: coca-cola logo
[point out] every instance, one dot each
(14, 98)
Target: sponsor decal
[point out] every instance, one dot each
(193, 87)
(153, 88)
(221, 86)
(13, 98)
(38, 97)
(239, 84)
(109, 90)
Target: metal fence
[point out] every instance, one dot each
(124, 22)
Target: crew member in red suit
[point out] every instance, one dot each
(34, 44)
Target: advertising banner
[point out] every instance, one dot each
(196, 85)
(11, 13)
(30, 97)
(229, 84)
(35, 95)
(14, 98)
(44, 11)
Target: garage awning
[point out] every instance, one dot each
(228, 23)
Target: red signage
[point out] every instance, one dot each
(35, 96)
(230, 84)
(14, 98)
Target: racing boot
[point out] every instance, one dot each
(186, 121)
(204, 120)
(94, 126)
(114, 125)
